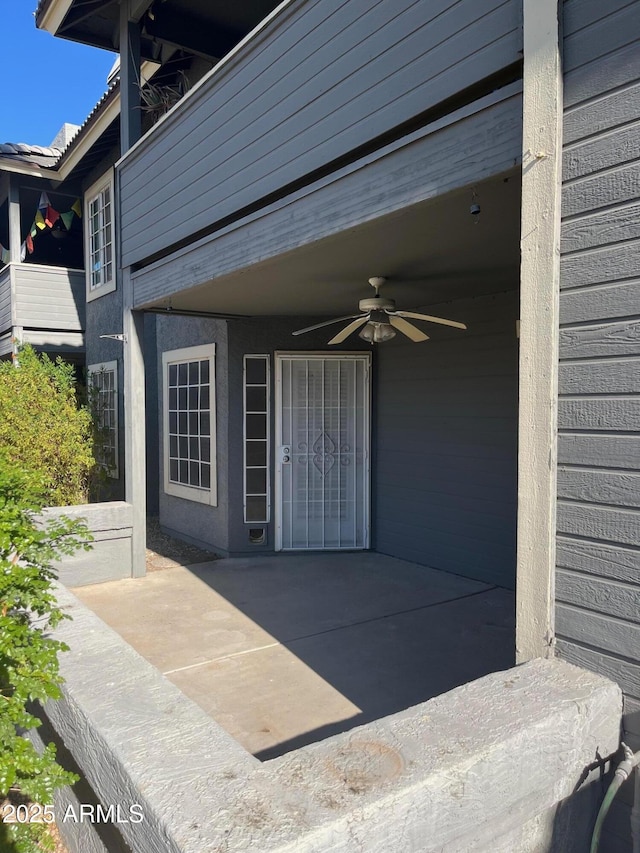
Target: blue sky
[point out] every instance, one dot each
(47, 81)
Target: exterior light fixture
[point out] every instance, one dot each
(378, 329)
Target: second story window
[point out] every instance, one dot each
(99, 238)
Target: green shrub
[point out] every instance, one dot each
(43, 428)
(28, 655)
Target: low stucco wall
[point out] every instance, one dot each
(109, 559)
(484, 767)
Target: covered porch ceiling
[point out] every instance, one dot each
(431, 253)
(209, 28)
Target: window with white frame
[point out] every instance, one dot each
(189, 423)
(103, 398)
(99, 238)
(256, 438)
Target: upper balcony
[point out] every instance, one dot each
(316, 86)
(42, 305)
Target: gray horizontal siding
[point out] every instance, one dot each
(5, 299)
(49, 297)
(6, 345)
(319, 80)
(428, 163)
(598, 511)
(445, 462)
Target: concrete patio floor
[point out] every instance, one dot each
(285, 650)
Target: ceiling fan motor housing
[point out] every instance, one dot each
(377, 303)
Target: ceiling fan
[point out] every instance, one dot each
(381, 319)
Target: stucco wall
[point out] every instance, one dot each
(444, 467)
(109, 558)
(200, 523)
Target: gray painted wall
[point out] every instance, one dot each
(322, 78)
(205, 525)
(444, 469)
(104, 317)
(443, 445)
(598, 558)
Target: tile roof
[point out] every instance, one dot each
(36, 154)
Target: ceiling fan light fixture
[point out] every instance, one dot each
(377, 333)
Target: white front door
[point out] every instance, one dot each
(322, 451)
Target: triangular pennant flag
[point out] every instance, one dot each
(44, 202)
(33, 230)
(39, 220)
(67, 218)
(23, 251)
(29, 243)
(52, 217)
(77, 208)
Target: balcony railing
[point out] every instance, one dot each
(318, 82)
(43, 305)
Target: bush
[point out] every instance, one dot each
(28, 656)
(43, 429)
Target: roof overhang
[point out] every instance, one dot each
(205, 28)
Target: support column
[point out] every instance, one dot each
(130, 112)
(134, 422)
(15, 239)
(539, 330)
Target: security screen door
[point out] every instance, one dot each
(322, 451)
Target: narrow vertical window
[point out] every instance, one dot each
(256, 438)
(99, 255)
(103, 398)
(189, 423)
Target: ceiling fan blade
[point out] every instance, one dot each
(407, 329)
(344, 334)
(428, 318)
(326, 323)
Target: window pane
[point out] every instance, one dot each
(205, 449)
(256, 371)
(194, 373)
(256, 399)
(256, 426)
(256, 452)
(206, 476)
(173, 374)
(256, 481)
(256, 509)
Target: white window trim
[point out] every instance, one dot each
(95, 189)
(192, 493)
(98, 368)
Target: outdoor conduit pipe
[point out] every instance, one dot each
(623, 771)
